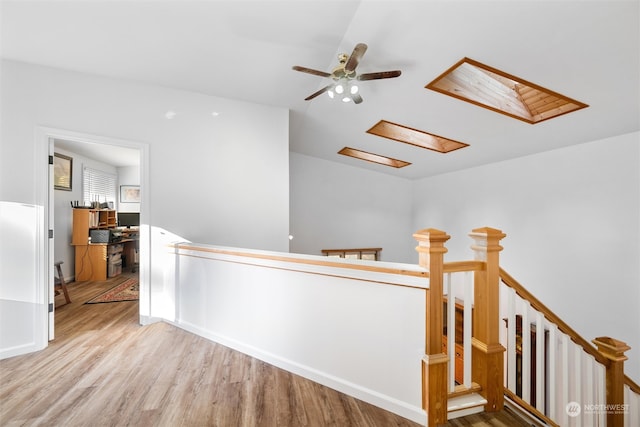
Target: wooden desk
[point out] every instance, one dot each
(92, 260)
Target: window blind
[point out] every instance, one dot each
(98, 186)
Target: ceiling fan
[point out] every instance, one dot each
(344, 76)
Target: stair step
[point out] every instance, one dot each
(461, 406)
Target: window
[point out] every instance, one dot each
(98, 186)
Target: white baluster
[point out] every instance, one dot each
(552, 397)
(564, 379)
(588, 391)
(511, 340)
(577, 376)
(451, 332)
(526, 353)
(627, 400)
(504, 331)
(540, 363)
(468, 299)
(601, 392)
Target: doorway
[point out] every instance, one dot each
(121, 154)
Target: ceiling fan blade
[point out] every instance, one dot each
(318, 93)
(357, 99)
(355, 57)
(311, 71)
(379, 75)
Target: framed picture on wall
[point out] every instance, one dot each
(62, 172)
(129, 194)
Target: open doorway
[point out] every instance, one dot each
(127, 162)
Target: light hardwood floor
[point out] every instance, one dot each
(103, 369)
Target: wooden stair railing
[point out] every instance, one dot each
(508, 280)
(435, 363)
(487, 352)
(609, 353)
(488, 358)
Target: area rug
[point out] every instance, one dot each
(129, 290)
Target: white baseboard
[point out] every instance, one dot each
(148, 320)
(390, 404)
(19, 350)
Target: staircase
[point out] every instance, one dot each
(496, 343)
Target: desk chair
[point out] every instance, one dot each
(60, 283)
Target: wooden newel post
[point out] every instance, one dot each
(614, 350)
(431, 252)
(487, 353)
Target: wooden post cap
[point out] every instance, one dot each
(489, 231)
(431, 234)
(611, 348)
(487, 239)
(431, 240)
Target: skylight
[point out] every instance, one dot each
(375, 158)
(496, 90)
(415, 137)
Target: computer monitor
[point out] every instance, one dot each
(129, 219)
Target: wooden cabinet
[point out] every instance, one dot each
(91, 262)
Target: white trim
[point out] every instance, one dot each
(43, 268)
(50, 209)
(353, 269)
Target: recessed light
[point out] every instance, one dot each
(170, 114)
(215, 114)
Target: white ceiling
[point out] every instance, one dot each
(113, 155)
(587, 50)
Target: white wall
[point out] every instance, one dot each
(221, 179)
(335, 206)
(572, 219)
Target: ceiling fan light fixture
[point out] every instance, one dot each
(344, 76)
(343, 89)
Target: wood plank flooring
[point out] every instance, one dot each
(103, 369)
